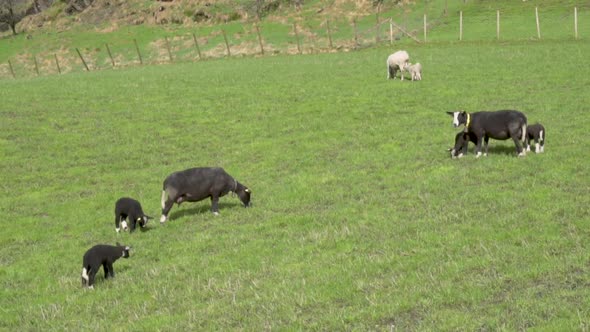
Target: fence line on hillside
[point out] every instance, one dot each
(302, 39)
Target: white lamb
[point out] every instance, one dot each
(415, 71)
(397, 61)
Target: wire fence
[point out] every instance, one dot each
(296, 38)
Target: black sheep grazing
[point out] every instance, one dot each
(101, 254)
(130, 209)
(195, 184)
(500, 125)
(462, 140)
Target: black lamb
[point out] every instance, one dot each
(101, 254)
(129, 209)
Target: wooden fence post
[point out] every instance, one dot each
(377, 29)
(260, 39)
(425, 27)
(461, 25)
(138, 53)
(81, 58)
(226, 42)
(297, 36)
(378, 25)
(11, 69)
(329, 34)
(390, 32)
(356, 33)
(36, 64)
(110, 54)
(197, 46)
(537, 19)
(168, 48)
(498, 24)
(57, 63)
(576, 22)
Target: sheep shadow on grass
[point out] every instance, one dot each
(494, 150)
(200, 209)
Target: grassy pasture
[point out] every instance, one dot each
(361, 221)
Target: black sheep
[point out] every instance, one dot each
(101, 254)
(130, 209)
(195, 184)
(500, 125)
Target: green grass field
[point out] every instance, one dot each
(360, 219)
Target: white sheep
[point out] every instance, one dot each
(397, 61)
(415, 71)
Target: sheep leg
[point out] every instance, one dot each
(478, 147)
(91, 276)
(519, 148)
(166, 209)
(215, 204)
(111, 270)
(105, 267)
(117, 223)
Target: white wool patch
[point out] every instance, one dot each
(163, 219)
(216, 213)
(456, 119)
(118, 230)
(124, 225)
(84, 274)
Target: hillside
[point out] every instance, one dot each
(116, 13)
(117, 33)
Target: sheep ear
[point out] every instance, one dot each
(451, 113)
